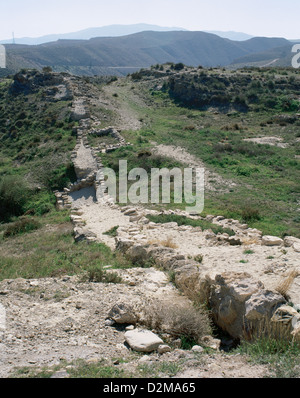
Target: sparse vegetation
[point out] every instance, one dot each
(22, 225)
(99, 275)
(181, 220)
(164, 242)
(284, 286)
(113, 231)
(273, 347)
(53, 253)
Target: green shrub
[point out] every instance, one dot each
(179, 66)
(99, 275)
(13, 195)
(199, 258)
(250, 214)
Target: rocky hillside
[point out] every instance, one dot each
(125, 54)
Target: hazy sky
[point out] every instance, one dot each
(257, 17)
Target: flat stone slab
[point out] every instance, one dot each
(143, 340)
(271, 241)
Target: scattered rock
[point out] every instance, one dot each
(296, 247)
(210, 342)
(177, 343)
(130, 327)
(234, 241)
(142, 340)
(61, 374)
(130, 212)
(123, 314)
(162, 349)
(109, 322)
(197, 348)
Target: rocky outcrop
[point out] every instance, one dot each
(30, 81)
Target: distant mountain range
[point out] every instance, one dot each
(124, 54)
(119, 30)
(231, 35)
(86, 34)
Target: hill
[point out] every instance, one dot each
(278, 56)
(120, 55)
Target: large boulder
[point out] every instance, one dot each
(239, 303)
(142, 340)
(229, 293)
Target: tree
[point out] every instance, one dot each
(179, 66)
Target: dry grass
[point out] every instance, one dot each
(166, 243)
(267, 329)
(189, 285)
(177, 320)
(249, 242)
(285, 284)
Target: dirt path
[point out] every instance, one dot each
(213, 181)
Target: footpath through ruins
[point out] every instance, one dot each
(240, 277)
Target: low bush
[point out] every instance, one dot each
(13, 195)
(99, 275)
(184, 321)
(250, 214)
(23, 225)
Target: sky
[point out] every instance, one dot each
(34, 18)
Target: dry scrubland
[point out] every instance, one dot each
(80, 273)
